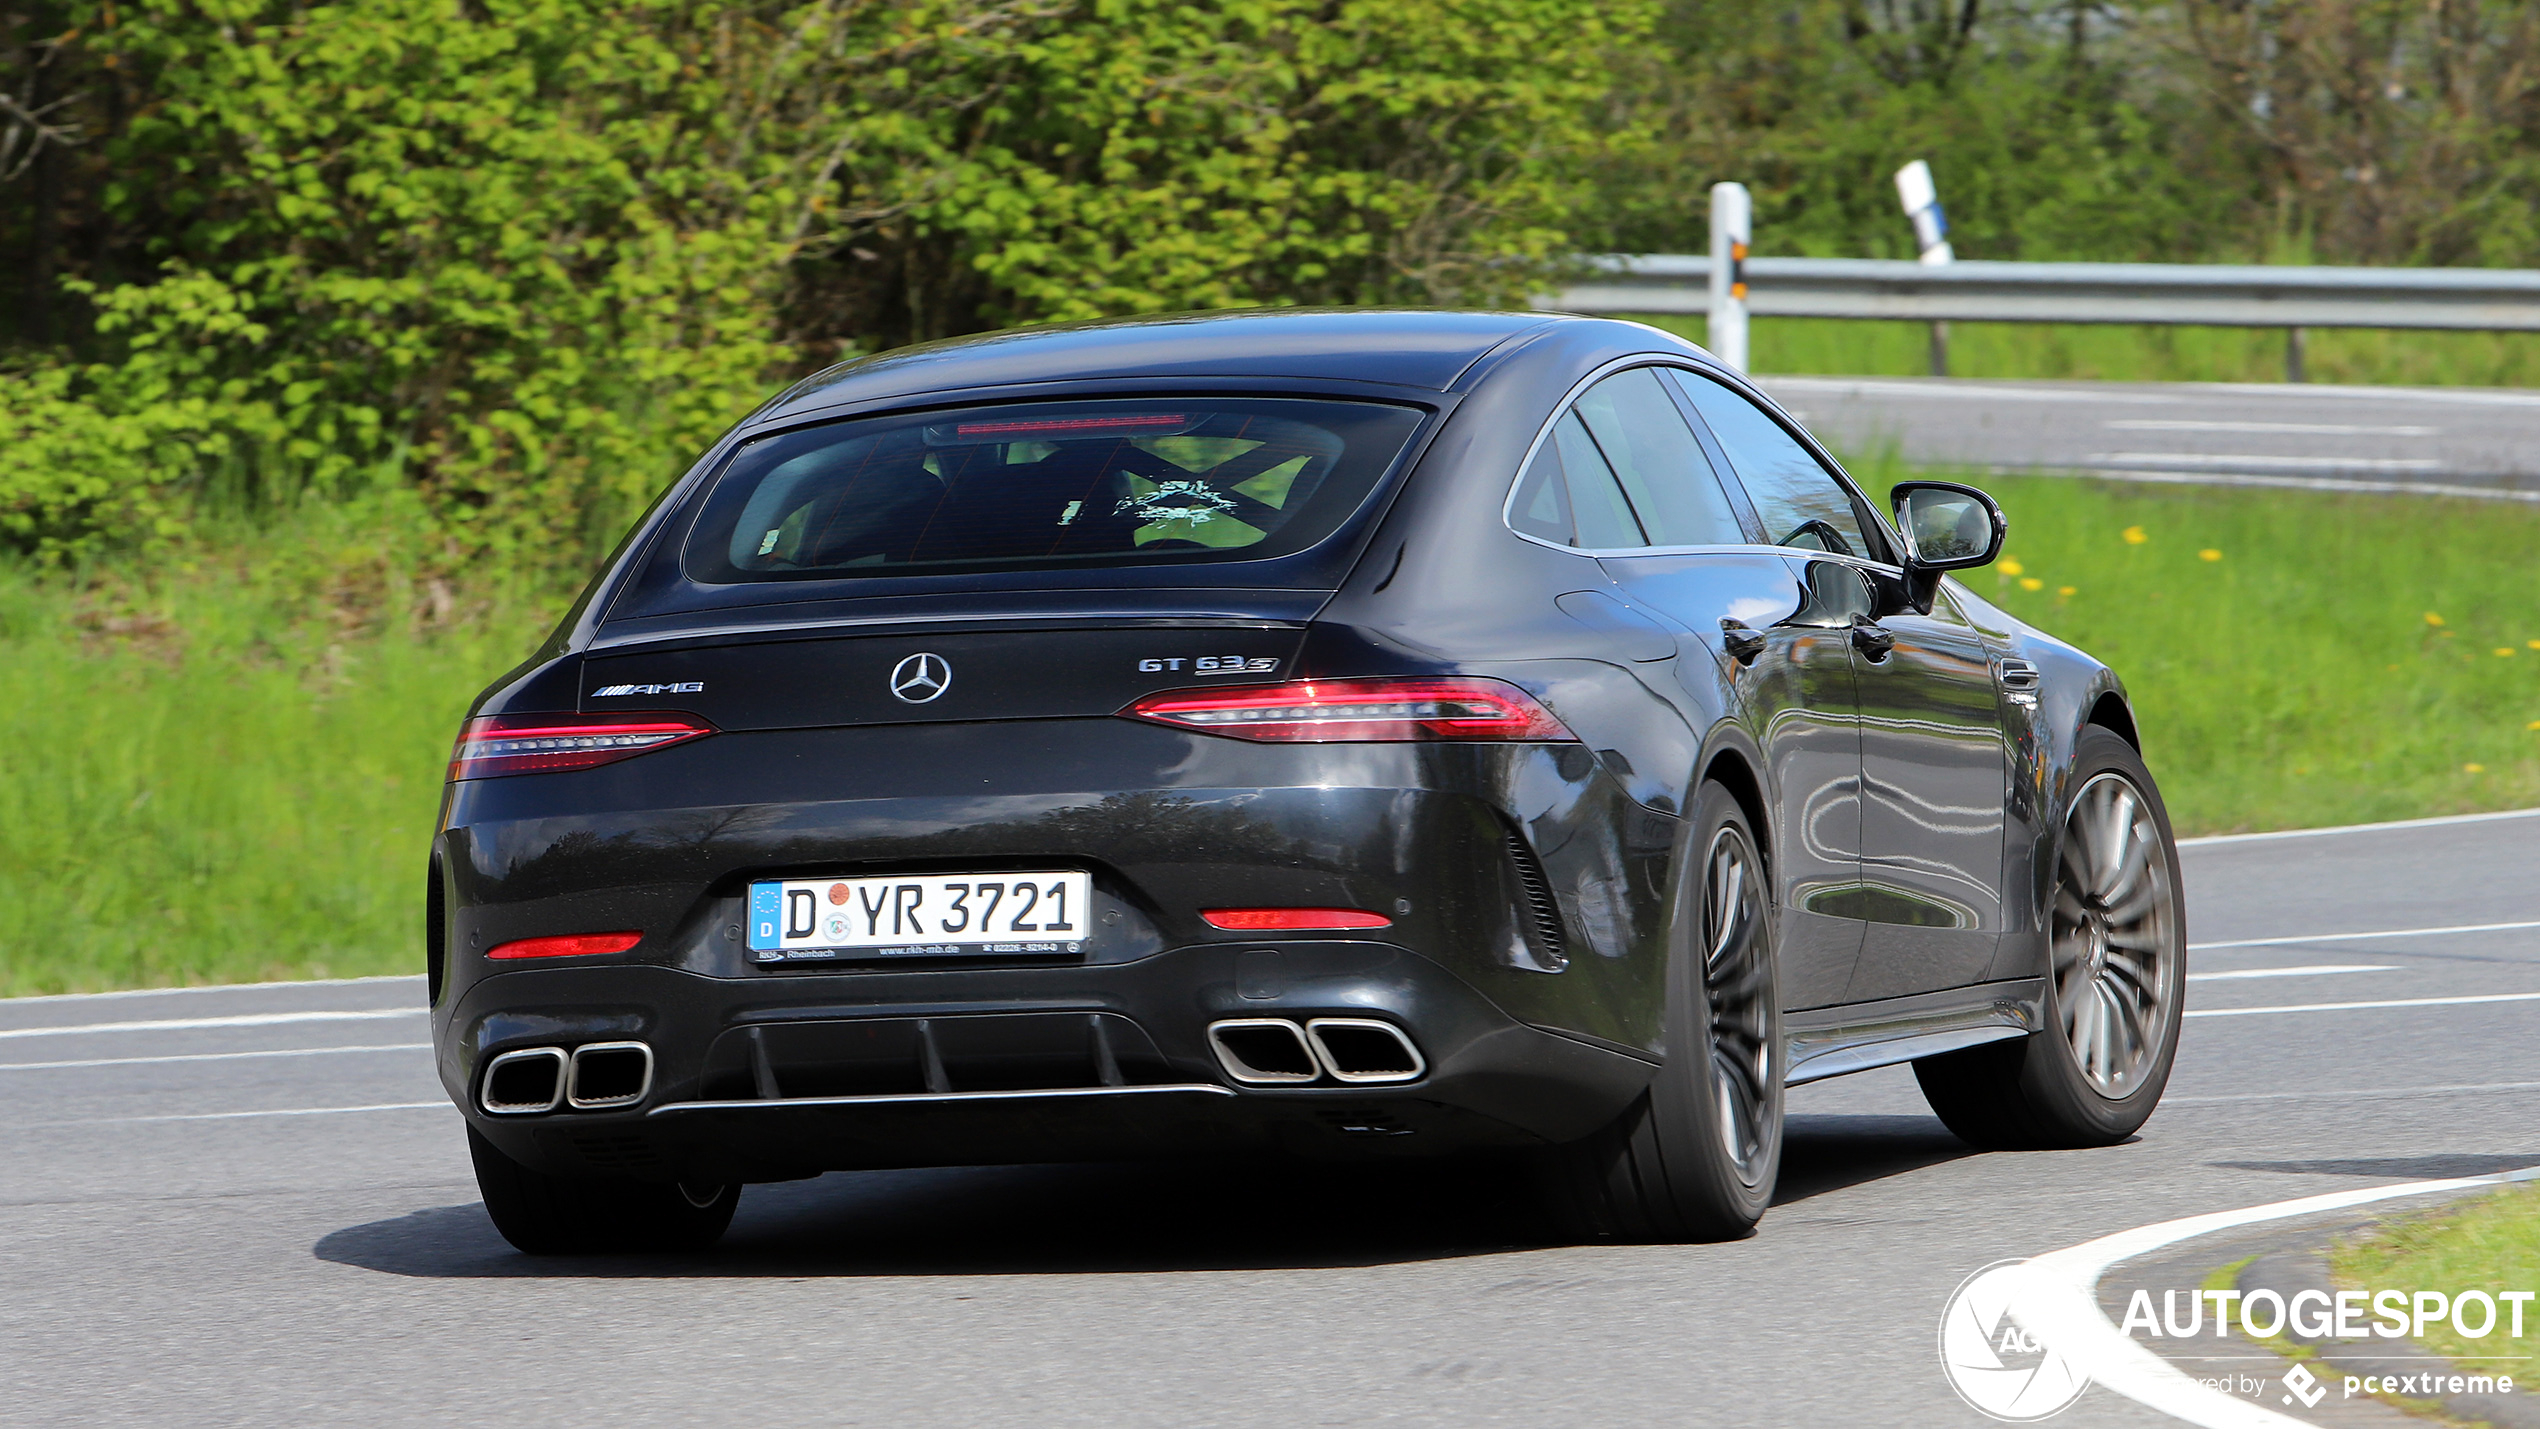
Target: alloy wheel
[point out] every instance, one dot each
(2115, 935)
(1735, 973)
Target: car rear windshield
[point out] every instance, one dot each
(1087, 483)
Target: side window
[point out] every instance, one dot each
(1569, 495)
(1621, 469)
(1661, 466)
(1801, 503)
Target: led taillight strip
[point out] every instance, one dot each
(1355, 711)
(545, 744)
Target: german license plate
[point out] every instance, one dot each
(919, 916)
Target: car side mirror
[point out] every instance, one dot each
(1947, 527)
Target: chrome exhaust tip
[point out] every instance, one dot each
(1363, 1050)
(1263, 1051)
(524, 1083)
(607, 1074)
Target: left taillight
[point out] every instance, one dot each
(545, 744)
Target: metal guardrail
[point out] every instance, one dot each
(2490, 299)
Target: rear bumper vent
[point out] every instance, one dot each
(1542, 917)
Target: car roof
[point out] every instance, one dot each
(1427, 349)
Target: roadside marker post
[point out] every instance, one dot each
(1921, 197)
(1732, 227)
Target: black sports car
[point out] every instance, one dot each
(1346, 733)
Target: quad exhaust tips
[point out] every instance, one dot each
(1272, 1051)
(594, 1077)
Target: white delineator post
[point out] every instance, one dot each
(1921, 198)
(1732, 225)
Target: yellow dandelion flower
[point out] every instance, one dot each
(2011, 567)
(2209, 554)
(2031, 583)
(2433, 619)
(2134, 536)
(2504, 652)
(2473, 769)
(2535, 724)
(2076, 590)
(2534, 644)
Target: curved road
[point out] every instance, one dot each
(252, 1206)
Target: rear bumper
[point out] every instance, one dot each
(1012, 1065)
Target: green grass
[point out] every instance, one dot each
(2295, 659)
(2490, 1243)
(2101, 352)
(231, 775)
(230, 772)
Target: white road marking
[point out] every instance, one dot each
(2310, 970)
(235, 1115)
(187, 1024)
(2315, 429)
(2442, 821)
(1944, 387)
(2358, 937)
(2056, 1299)
(2296, 392)
(2362, 1094)
(2283, 483)
(210, 987)
(214, 1056)
(2232, 461)
(2354, 1006)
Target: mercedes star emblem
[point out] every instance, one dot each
(920, 678)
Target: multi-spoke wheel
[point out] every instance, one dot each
(1736, 978)
(2114, 934)
(2115, 960)
(1696, 1156)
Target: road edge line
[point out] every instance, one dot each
(2056, 1298)
(2209, 840)
(210, 987)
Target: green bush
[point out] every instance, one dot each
(529, 255)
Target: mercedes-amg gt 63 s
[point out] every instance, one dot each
(1331, 733)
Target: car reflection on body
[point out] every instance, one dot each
(1331, 733)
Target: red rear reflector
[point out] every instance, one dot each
(1061, 426)
(1290, 920)
(570, 945)
(1337, 711)
(541, 744)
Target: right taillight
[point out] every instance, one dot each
(544, 744)
(1345, 711)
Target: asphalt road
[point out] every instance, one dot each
(2470, 441)
(252, 1206)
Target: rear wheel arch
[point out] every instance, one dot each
(1731, 770)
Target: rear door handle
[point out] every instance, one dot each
(1744, 642)
(1872, 639)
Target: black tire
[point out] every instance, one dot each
(1695, 1157)
(2035, 1093)
(558, 1215)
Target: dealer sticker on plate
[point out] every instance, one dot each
(919, 916)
